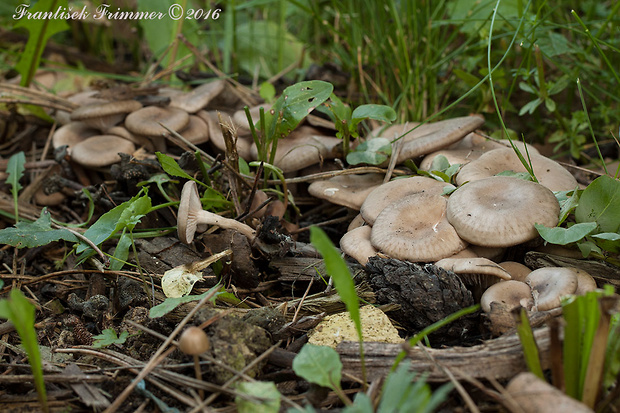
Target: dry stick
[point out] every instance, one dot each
(155, 359)
(459, 388)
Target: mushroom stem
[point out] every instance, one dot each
(209, 218)
(198, 372)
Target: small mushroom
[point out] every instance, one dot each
(415, 228)
(105, 115)
(356, 244)
(394, 190)
(71, 134)
(194, 342)
(198, 98)
(101, 150)
(191, 215)
(548, 172)
(474, 266)
(511, 293)
(148, 122)
(196, 131)
(501, 211)
(516, 270)
(346, 190)
(550, 284)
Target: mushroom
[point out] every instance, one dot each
(72, 134)
(346, 190)
(550, 284)
(101, 150)
(516, 270)
(196, 131)
(105, 115)
(548, 172)
(194, 342)
(474, 266)
(394, 190)
(216, 136)
(148, 122)
(191, 215)
(511, 293)
(415, 228)
(240, 119)
(198, 98)
(501, 211)
(356, 244)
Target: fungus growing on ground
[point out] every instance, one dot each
(105, 115)
(196, 131)
(550, 284)
(356, 244)
(346, 190)
(101, 150)
(474, 266)
(415, 228)
(198, 98)
(516, 270)
(501, 211)
(147, 122)
(191, 215)
(510, 293)
(194, 342)
(547, 171)
(71, 134)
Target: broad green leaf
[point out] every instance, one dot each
(319, 365)
(121, 252)
(609, 241)
(263, 389)
(373, 151)
(131, 216)
(371, 111)
(600, 203)
(34, 234)
(170, 304)
(563, 236)
(40, 30)
(21, 313)
(171, 167)
(109, 337)
(337, 268)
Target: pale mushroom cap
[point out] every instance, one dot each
(189, 208)
(516, 270)
(305, 146)
(454, 156)
(358, 221)
(346, 190)
(101, 150)
(194, 341)
(105, 115)
(198, 98)
(511, 293)
(501, 211)
(196, 131)
(356, 244)
(415, 228)
(550, 284)
(394, 190)
(217, 137)
(241, 120)
(585, 282)
(476, 265)
(548, 172)
(146, 121)
(72, 134)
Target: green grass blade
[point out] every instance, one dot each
(15, 170)
(528, 342)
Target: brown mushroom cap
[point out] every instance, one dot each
(346, 190)
(478, 265)
(394, 190)
(511, 293)
(585, 282)
(516, 270)
(501, 211)
(72, 134)
(356, 244)
(196, 131)
(198, 98)
(194, 341)
(415, 228)
(217, 137)
(550, 284)
(548, 172)
(105, 115)
(430, 136)
(146, 121)
(101, 150)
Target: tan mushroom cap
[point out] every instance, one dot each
(501, 211)
(198, 98)
(430, 136)
(585, 282)
(138, 140)
(101, 150)
(511, 293)
(241, 120)
(356, 244)
(356, 222)
(516, 270)
(105, 115)
(217, 137)
(394, 190)
(194, 341)
(479, 265)
(146, 121)
(305, 146)
(196, 131)
(548, 172)
(346, 190)
(550, 284)
(415, 228)
(72, 134)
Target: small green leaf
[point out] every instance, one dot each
(170, 304)
(109, 337)
(267, 391)
(550, 104)
(600, 203)
(609, 241)
(373, 151)
(371, 111)
(564, 236)
(15, 170)
(34, 234)
(530, 107)
(267, 91)
(440, 163)
(171, 166)
(319, 365)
